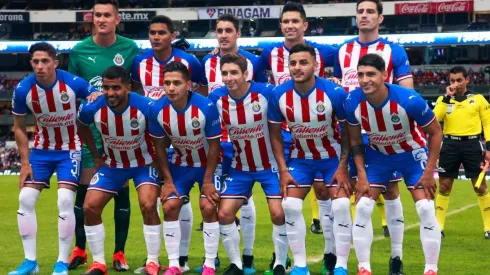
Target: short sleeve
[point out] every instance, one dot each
(135, 76)
(349, 110)
(19, 106)
(337, 71)
(259, 71)
(155, 128)
(418, 109)
(264, 59)
(203, 80)
(72, 63)
(274, 114)
(213, 125)
(327, 53)
(85, 113)
(135, 51)
(401, 65)
(196, 70)
(340, 96)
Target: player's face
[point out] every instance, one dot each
(459, 81)
(370, 79)
(106, 18)
(232, 76)
(292, 26)
(43, 65)
(227, 35)
(175, 85)
(115, 92)
(367, 17)
(302, 66)
(160, 37)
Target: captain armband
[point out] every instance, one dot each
(358, 150)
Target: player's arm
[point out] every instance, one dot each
(213, 135)
(22, 142)
(136, 85)
(85, 118)
(72, 63)
(401, 67)
(277, 146)
(160, 144)
(433, 130)
(485, 119)
(407, 83)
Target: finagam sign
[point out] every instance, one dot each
(240, 12)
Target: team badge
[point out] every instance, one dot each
(64, 98)
(472, 102)
(449, 108)
(395, 118)
(320, 107)
(118, 59)
(134, 124)
(256, 107)
(195, 123)
(94, 179)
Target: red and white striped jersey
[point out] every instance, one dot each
(312, 118)
(187, 129)
(125, 137)
(349, 54)
(54, 109)
(246, 122)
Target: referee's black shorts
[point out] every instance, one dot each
(454, 152)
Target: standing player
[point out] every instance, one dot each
(191, 123)
(276, 59)
(51, 96)
(227, 34)
(464, 115)
(89, 59)
(395, 119)
(311, 106)
(121, 117)
(368, 19)
(242, 106)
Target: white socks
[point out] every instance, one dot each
(153, 239)
(247, 226)
(396, 226)
(27, 222)
(172, 235)
(430, 233)
(296, 229)
(231, 242)
(66, 222)
(326, 218)
(185, 220)
(342, 230)
(280, 239)
(210, 232)
(362, 232)
(95, 239)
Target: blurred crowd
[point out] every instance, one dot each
(8, 84)
(9, 158)
(441, 78)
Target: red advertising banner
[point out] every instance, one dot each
(433, 7)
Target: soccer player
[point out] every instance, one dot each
(276, 59)
(227, 34)
(51, 96)
(242, 106)
(395, 120)
(368, 19)
(464, 115)
(121, 117)
(191, 123)
(311, 106)
(89, 59)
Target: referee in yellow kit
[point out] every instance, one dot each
(464, 115)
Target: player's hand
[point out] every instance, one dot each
(334, 80)
(215, 51)
(93, 96)
(211, 193)
(341, 176)
(362, 188)
(450, 90)
(167, 190)
(25, 171)
(98, 162)
(286, 179)
(428, 183)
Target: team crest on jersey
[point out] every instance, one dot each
(449, 108)
(118, 59)
(395, 118)
(94, 179)
(134, 124)
(320, 107)
(472, 102)
(64, 98)
(195, 123)
(256, 107)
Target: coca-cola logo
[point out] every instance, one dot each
(415, 8)
(350, 78)
(49, 120)
(447, 7)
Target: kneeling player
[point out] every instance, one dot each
(393, 118)
(121, 118)
(190, 122)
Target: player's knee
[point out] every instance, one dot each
(27, 202)
(226, 216)
(445, 187)
(340, 206)
(277, 217)
(148, 207)
(66, 199)
(171, 209)
(293, 207)
(425, 209)
(91, 210)
(207, 209)
(364, 209)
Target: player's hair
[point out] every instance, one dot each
(115, 72)
(163, 20)
(175, 66)
(293, 6)
(43, 47)
(379, 5)
(459, 69)
(303, 48)
(229, 18)
(236, 59)
(372, 60)
(114, 3)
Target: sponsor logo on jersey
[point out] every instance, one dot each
(118, 59)
(96, 82)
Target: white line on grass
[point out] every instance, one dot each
(314, 260)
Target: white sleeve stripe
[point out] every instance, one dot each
(353, 124)
(430, 121)
(157, 136)
(83, 122)
(19, 114)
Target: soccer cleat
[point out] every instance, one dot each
(151, 269)
(329, 261)
(208, 271)
(364, 271)
(300, 270)
(78, 258)
(25, 268)
(119, 261)
(248, 265)
(340, 271)
(96, 268)
(430, 272)
(386, 231)
(279, 270)
(396, 266)
(60, 268)
(184, 264)
(315, 227)
(173, 270)
(442, 234)
(200, 268)
(487, 235)
(200, 226)
(233, 270)
(270, 271)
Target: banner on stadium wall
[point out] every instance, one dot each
(126, 16)
(254, 12)
(14, 17)
(433, 7)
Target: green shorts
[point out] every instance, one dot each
(87, 158)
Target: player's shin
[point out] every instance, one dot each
(326, 218)
(185, 220)
(362, 232)
(484, 204)
(66, 222)
(430, 233)
(26, 219)
(211, 243)
(281, 245)
(95, 239)
(442, 205)
(396, 226)
(122, 215)
(153, 240)
(80, 238)
(172, 237)
(231, 242)
(296, 229)
(247, 225)
(342, 230)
